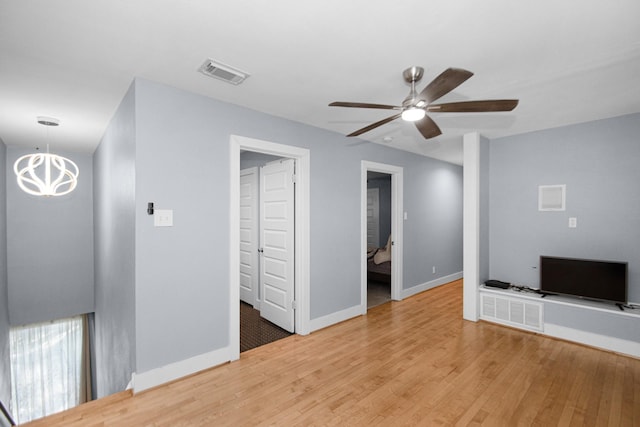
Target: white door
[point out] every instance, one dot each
(373, 217)
(249, 271)
(277, 243)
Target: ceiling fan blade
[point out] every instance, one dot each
(427, 127)
(364, 105)
(374, 125)
(474, 106)
(450, 79)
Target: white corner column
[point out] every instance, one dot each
(471, 225)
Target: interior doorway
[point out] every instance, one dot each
(392, 241)
(266, 248)
(379, 254)
(298, 300)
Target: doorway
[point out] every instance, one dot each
(379, 259)
(394, 239)
(300, 303)
(266, 248)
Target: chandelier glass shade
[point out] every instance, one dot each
(45, 174)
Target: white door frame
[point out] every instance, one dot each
(397, 217)
(302, 232)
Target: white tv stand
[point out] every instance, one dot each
(526, 310)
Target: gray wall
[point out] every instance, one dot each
(5, 361)
(114, 201)
(49, 247)
(182, 163)
(433, 229)
(182, 272)
(383, 184)
(598, 162)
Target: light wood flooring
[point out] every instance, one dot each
(413, 362)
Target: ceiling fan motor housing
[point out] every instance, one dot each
(413, 74)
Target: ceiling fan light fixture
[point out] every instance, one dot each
(415, 105)
(413, 114)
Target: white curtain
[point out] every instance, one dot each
(46, 368)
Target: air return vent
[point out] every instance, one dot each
(222, 71)
(512, 312)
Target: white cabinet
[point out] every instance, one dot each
(587, 322)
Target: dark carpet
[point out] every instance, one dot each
(256, 331)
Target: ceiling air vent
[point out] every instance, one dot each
(222, 71)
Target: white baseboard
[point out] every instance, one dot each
(405, 293)
(333, 318)
(130, 383)
(617, 345)
(173, 371)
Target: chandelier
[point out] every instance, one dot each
(46, 174)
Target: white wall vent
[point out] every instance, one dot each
(552, 197)
(512, 312)
(221, 71)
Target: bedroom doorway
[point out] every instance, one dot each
(378, 236)
(382, 259)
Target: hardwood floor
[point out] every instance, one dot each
(414, 362)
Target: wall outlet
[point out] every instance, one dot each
(433, 270)
(573, 222)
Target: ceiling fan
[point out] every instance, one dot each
(416, 105)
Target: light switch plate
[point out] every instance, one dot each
(163, 218)
(573, 222)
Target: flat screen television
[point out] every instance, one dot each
(585, 278)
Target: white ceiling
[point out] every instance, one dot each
(567, 61)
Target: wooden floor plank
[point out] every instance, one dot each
(413, 362)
